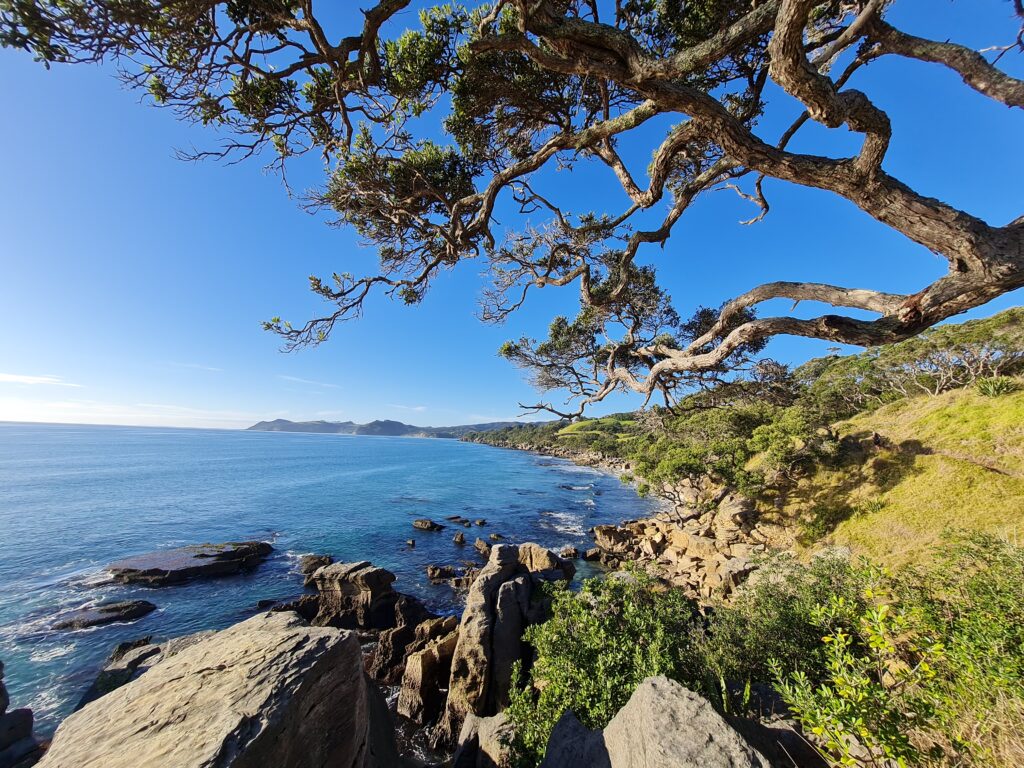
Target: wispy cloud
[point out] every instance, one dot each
(307, 381)
(416, 408)
(197, 366)
(18, 378)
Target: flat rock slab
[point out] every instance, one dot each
(173, 566)
(270, 692)
(104, 613)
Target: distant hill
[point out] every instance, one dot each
(384, 427)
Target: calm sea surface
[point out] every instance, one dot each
(73, 498)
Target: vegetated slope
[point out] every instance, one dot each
(955, 460)
(881, 450)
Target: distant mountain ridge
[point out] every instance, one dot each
(382, 427)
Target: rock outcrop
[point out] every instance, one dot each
(425, 677)
(706, 553)
(355, 596)
(499, 607)
(663, 725)
(414, 626)
(484, 742)
(310, 564)
(17, 746)
(270, 691)
(173, 566)
(104, 613)
(427, 525)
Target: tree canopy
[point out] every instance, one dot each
(520, 85)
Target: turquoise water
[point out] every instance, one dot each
(73, 498)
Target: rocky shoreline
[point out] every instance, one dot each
(303, 684)
(430, 689)
(706, 540)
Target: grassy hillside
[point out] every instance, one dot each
(955, 460)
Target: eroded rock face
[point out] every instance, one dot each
(663, 725)
(707, 552)
(310, 564)
(425, 679)
(411, 621)
(484, 743)
(270, 691)
(173, 566)
(104, 613)
(355, 596)
(129, 660)
(498, 609)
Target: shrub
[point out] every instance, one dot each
(997, 385)
(875, 691)
(926, 668)
(770, 622)
(596, 649)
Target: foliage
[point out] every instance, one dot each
(911, 667)
(765, 429)
(873, 696)
(595, 650)
(995, 386)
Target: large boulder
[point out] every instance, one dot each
(173, 566)
(663, 725)
(310, 564)
(270, 691)
(355, 596)
(499, 607)
(104, 613)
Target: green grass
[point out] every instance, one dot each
(952, 461)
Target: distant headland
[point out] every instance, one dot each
(383, 427)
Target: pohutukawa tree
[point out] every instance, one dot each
(520, 85)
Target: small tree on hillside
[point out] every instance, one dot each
(521, 85)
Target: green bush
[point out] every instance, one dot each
(913, 668)
(925, 668)
(595, 650)
(770, 624)
(996, 386)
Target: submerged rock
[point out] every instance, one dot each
(104, 613)
(270, 691)
(460, 538)
(172, 566)
(663, 725)
(427, 525)
(440, 573)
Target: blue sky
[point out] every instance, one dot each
(132, 284)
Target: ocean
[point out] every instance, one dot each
(74, 498)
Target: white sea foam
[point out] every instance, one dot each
(564, 522)
(54, 652)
